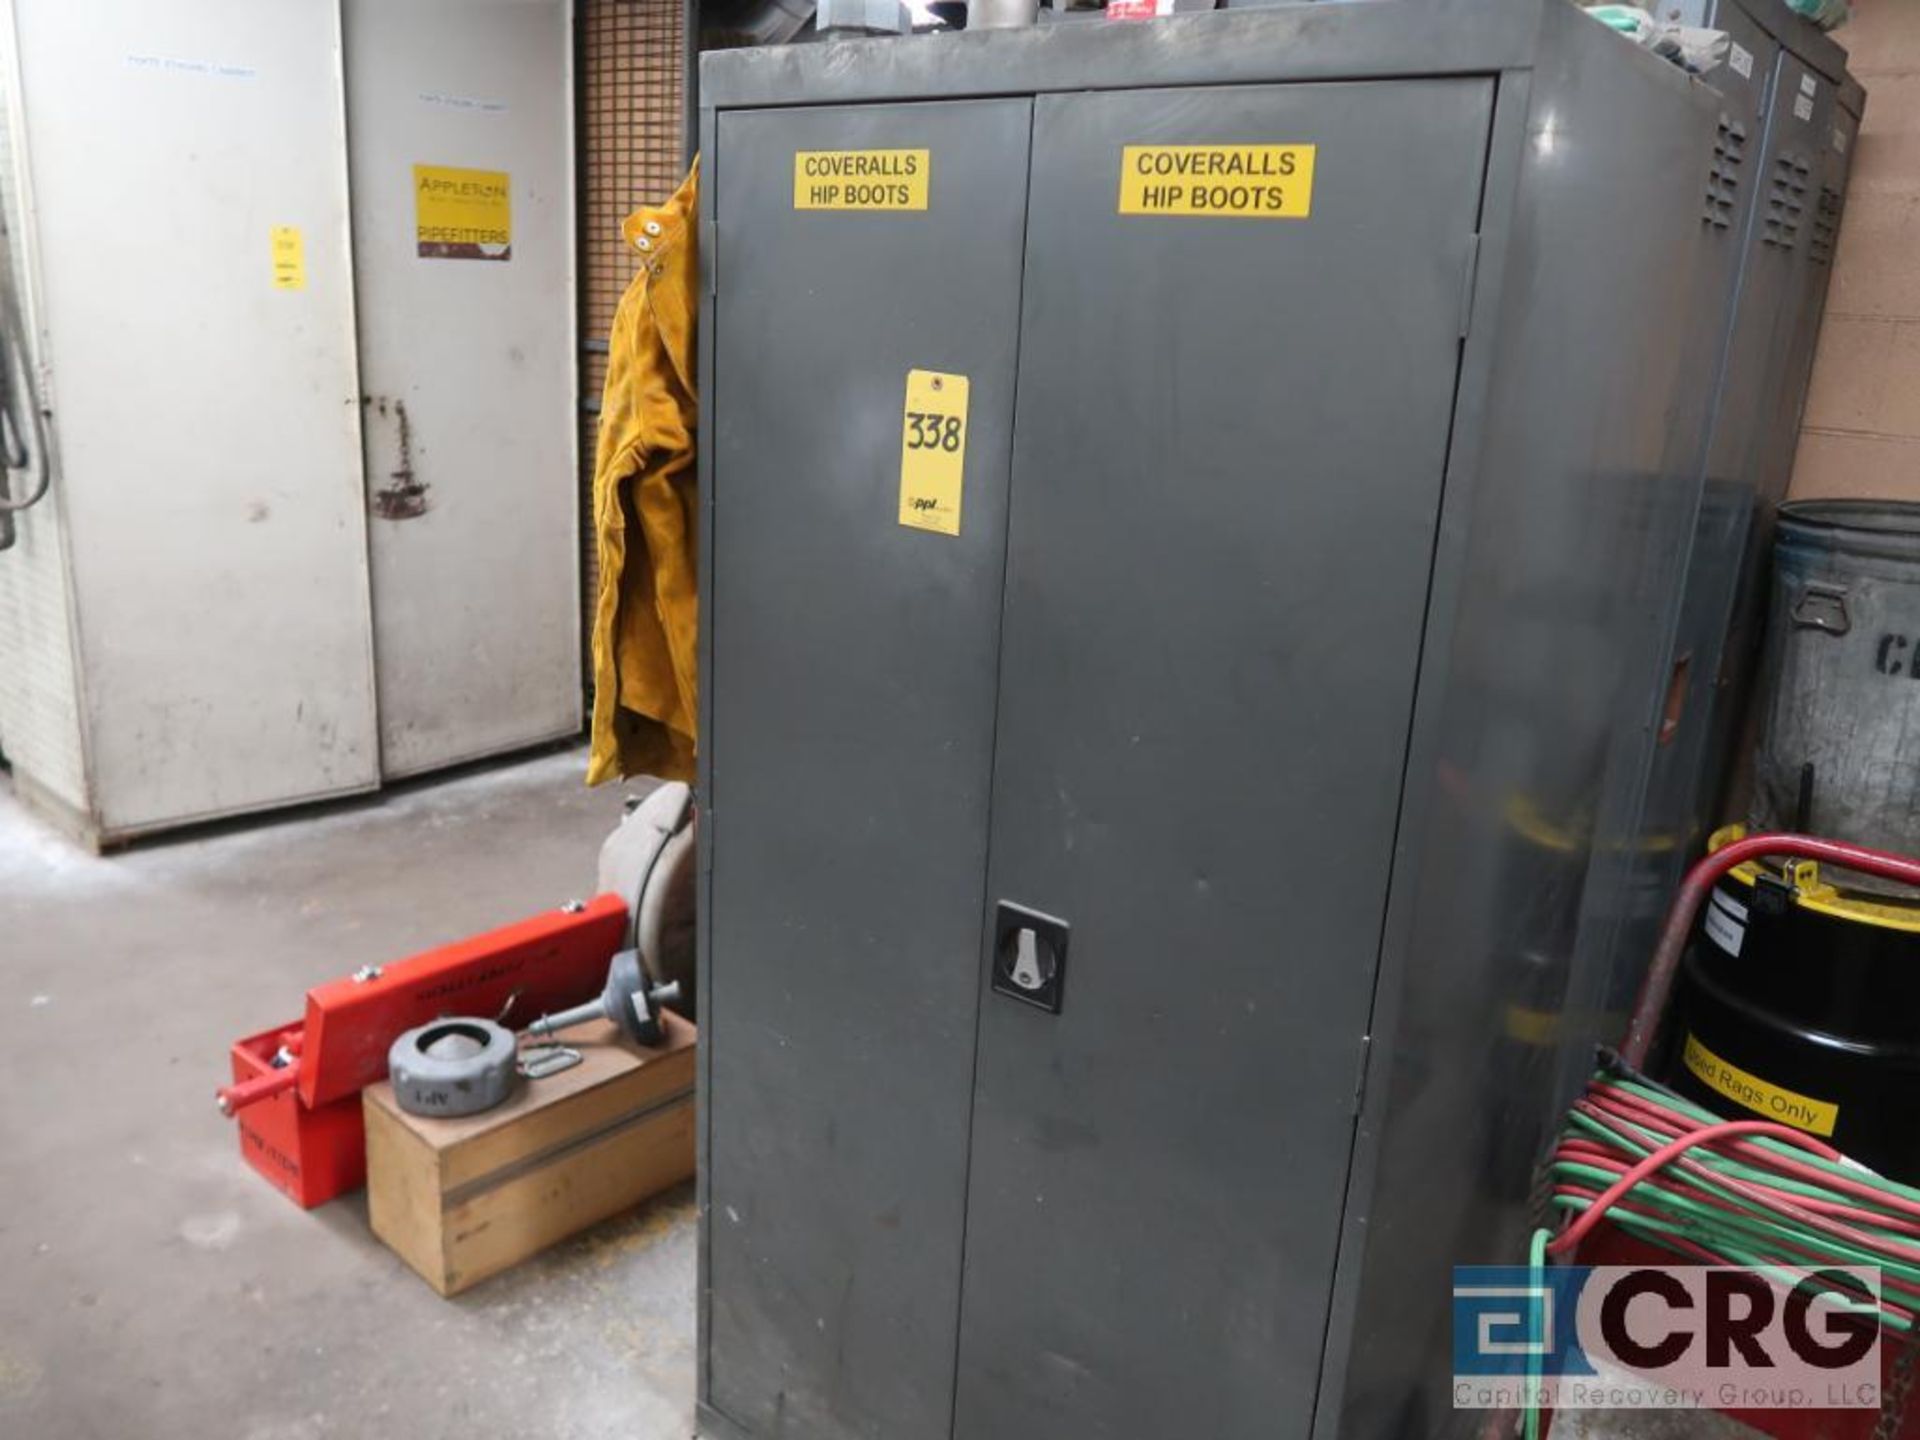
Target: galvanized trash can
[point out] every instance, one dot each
(1839, 751)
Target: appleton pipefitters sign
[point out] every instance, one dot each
(462, 214)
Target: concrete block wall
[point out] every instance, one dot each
(1860, 433)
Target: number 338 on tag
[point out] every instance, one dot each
(933, 451)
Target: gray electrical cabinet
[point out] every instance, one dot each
(1189, 512)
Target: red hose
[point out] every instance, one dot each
(1570, 1237)
(1886, 1200)
(1658, 985)
(1763, 1198)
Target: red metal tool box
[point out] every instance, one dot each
(300, 1119)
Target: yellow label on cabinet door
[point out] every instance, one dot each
(1268, 182)
(861, 179)
(462, 214)
(933, 451)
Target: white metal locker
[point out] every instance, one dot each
(188, 249)
(468, 372)
(226, 604)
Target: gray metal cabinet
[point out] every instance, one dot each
(1661, 756)
(1725, 515)
(1779, 175)
(1795, 184)
(1757, 416)
(1788, 119)
(1108, 887)
(1796, 226)
(1836, 110)
(1800, 128)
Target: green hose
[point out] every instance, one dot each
(1776, 1225)
(1536, 1281)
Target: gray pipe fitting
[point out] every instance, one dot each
(456, 1066)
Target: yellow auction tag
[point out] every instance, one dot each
(1269, 182)
(1799, 1111)
(933, 451)
(861, 179)
(289, 257)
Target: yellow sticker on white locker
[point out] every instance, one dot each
(861, 179)
(933, 451)
(289, 258)
(1268, 182)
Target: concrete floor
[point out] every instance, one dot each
(150, 1284)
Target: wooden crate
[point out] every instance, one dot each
(463, 1199)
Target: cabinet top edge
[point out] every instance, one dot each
(1800, 36)
(1357, 39)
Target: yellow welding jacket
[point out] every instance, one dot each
(646, 616)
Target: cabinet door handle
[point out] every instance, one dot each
(1029, 956)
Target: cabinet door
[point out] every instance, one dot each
(849, 726)
(195, 272)
(467, 366)
(1673, 812)
(1748, 457)
(1675, 807)
(1234, 404)
(1804, 175)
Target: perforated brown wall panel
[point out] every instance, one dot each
(629, 79)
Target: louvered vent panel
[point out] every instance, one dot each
(1723, 177)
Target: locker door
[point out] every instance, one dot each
(1232, 433)
(188, 171)
(1801, 178)
(849, 721)
(466, 374)
(1674, 814)
(1782, 213)
(1741, 463)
